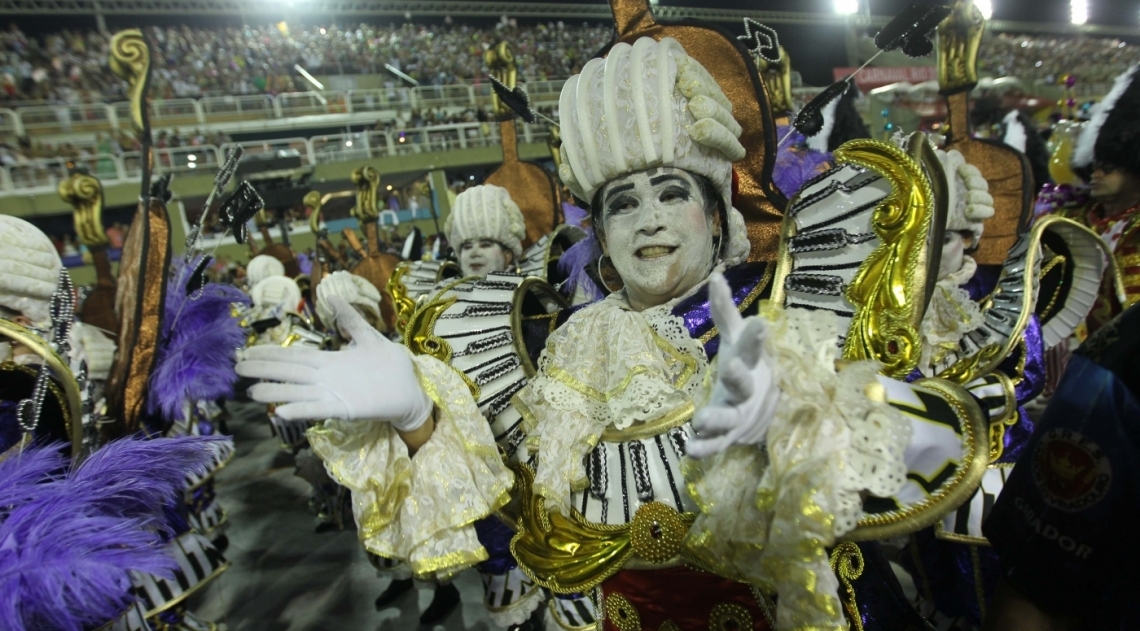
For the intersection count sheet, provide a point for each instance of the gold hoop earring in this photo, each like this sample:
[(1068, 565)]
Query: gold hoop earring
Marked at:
[(602, 276)]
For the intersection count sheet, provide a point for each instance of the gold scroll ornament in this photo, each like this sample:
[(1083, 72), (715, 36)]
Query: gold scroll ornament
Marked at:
[(1006, 169), (376, 265), (537, 192), (130, 61), (84, 194), (757, 199), (889, 290), (778, 81)]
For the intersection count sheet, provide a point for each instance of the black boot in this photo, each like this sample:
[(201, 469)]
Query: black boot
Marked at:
[(444, 602), (395, 589)]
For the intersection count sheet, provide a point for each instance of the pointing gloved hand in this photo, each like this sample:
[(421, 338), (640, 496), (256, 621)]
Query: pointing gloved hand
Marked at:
[(372, 378), (745, 396)]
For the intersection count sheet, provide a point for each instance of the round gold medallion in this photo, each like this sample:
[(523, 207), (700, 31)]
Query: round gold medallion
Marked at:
[(656, 532)]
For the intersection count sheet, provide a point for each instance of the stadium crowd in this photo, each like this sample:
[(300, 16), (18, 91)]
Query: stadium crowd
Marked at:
[(70, 66), (1092, 61)]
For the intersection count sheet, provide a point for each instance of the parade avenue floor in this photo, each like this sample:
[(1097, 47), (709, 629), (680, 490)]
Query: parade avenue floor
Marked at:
[(286, 577)]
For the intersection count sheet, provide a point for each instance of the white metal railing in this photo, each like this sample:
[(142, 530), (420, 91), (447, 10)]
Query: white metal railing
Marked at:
[(93, 117), (44, 175)]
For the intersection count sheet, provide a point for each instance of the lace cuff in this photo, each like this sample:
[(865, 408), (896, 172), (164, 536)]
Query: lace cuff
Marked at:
[(832, 439), (421, 510)]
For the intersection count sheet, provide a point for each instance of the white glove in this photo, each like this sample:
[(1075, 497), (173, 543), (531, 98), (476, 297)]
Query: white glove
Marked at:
[(745, 395), (370, 379)]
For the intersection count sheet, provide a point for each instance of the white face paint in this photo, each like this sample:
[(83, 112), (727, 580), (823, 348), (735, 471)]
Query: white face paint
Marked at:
[(953, 251), (657, 234), (479, 257)]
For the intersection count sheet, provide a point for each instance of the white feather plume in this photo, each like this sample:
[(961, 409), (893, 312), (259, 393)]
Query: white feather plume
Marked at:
[(819, 141), (1015, 134), (1083, 155)]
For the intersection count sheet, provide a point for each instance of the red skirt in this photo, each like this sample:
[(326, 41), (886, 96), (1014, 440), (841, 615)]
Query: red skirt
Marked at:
[(679, 599)]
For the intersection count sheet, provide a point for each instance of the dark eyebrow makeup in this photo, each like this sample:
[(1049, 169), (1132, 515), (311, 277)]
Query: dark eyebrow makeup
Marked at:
[(665, 178), (621, 188)]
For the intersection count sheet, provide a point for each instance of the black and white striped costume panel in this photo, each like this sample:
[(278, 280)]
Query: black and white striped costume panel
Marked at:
[(965, 524), (572, 613), (478, 328), (625, 475), (538, 257), (291, 434), (833, 236), (510, 598), (221, 453), (210, 520), (198, 562)]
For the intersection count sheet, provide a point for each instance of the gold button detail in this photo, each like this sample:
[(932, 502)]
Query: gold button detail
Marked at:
[(622, 613), (656, 532), (729, 617)]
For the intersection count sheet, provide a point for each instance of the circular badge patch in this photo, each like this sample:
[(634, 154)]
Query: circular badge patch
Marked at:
[(1070, 470)]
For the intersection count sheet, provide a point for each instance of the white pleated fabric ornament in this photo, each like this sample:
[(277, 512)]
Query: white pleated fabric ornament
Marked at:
[(644, 106), (29, 269), (276, 291), (355, 290), (261, 267), (486, 212)]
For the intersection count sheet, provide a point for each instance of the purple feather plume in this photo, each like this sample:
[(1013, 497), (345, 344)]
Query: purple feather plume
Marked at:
[(304, 263), (22, 475), (574, 215), (68, 546), (576, 260), (796, 163), (199, 339)]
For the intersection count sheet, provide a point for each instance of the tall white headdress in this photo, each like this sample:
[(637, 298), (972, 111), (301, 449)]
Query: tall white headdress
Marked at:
[(486, 212), (276, 291), (356, 290), (263, 266), (29, 269), (644, 106)]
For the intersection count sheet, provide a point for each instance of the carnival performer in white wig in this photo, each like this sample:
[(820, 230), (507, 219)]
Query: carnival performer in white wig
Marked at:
[(952, 312), (261, 267), (623, 390), (486, 229)]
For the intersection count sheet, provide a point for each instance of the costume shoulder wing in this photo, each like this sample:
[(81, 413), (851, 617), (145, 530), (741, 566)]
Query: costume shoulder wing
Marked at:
[(480, 328)]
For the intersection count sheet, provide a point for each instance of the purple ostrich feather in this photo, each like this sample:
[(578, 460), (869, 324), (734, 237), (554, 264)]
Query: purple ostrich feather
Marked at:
[(576, 260), (199, 340), (796, 163), (68, 542)]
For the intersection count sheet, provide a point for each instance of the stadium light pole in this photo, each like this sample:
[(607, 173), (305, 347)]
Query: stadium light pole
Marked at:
[(1078, 11), (986, 7)]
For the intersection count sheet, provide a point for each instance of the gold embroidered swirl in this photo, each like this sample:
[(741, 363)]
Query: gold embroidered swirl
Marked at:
[(847, 563)]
